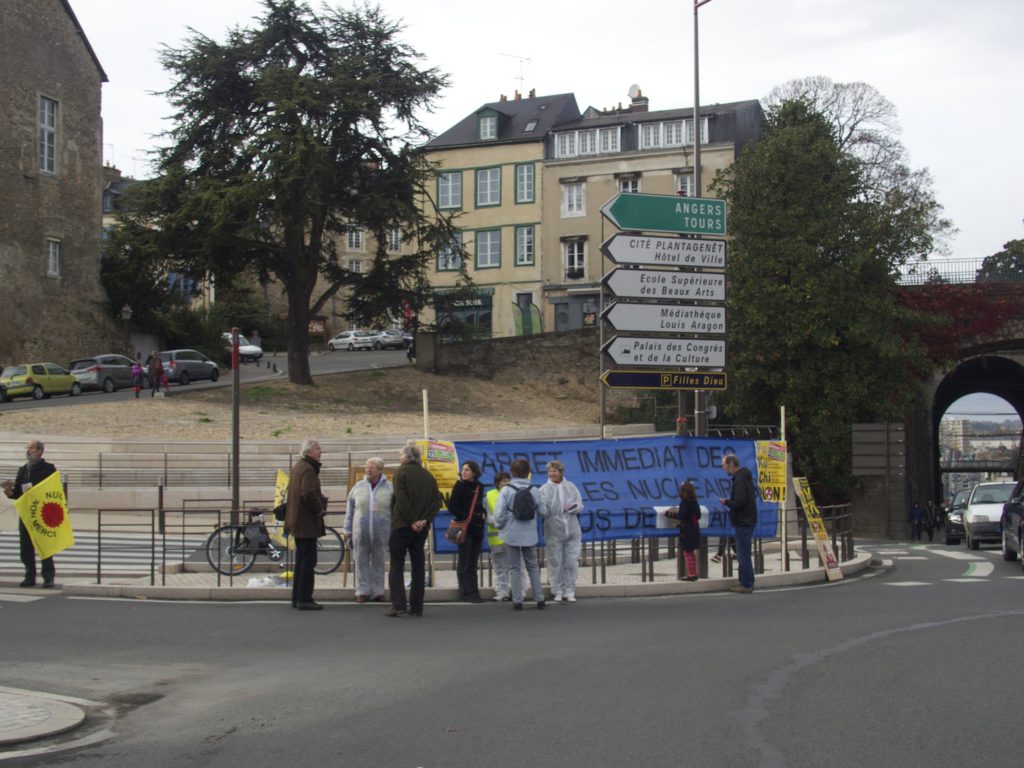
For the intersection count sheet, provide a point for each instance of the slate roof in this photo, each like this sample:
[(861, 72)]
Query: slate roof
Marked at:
[(647, 117), (548, 111)]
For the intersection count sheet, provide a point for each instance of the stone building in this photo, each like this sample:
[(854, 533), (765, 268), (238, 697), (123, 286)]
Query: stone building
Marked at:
[(51, 300)]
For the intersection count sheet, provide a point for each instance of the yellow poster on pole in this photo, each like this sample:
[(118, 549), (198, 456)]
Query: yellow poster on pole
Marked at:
[(441, 460), (817, 525), (771, 469), (44, 511), (280, 488)]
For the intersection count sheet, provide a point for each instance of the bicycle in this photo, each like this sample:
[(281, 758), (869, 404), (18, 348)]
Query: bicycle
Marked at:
[(231, 550)]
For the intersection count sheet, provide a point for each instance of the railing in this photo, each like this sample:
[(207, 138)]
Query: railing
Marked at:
[(956, 271)]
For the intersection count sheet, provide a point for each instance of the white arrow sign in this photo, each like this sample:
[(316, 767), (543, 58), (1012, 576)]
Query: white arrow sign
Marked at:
[(660, 352), (664, 284), (665, 251), (666, 318)]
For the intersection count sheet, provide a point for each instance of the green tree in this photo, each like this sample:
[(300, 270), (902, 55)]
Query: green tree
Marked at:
[(1007, 264), (813, 317), (285, 137)]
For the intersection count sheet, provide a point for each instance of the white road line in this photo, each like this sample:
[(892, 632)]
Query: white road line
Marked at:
[(968, 581), (979, 570), (909, 583), (890, 551), (955, 555), (1013, 577), (911, 557), (6, 597)]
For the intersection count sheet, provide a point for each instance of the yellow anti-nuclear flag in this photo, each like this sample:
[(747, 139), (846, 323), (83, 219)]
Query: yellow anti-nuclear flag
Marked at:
[(44, 511), (281, 488)]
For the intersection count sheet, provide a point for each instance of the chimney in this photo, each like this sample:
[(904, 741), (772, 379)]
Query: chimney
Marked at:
[(533, 92), (639, 102), (503, 97), (518, 95)]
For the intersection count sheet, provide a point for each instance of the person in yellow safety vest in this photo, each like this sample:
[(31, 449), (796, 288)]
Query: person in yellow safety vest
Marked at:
[(499, 553)]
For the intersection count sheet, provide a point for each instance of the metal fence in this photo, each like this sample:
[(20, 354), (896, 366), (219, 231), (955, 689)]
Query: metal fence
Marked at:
[(956, 271)]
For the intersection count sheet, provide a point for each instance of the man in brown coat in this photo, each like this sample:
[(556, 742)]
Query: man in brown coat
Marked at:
[(304, 522)]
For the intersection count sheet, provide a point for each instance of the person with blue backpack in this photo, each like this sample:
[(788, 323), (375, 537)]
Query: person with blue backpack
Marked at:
[(519, 505)]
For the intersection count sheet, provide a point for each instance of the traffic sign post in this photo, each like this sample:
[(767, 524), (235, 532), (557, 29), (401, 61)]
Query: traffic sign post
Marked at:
[(663, 351), (665, 284), (666, 213), (666, 318), (667, 251), (621, 378)]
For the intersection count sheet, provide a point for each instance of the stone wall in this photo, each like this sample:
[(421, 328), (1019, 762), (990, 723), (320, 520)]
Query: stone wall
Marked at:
[(42, 53)]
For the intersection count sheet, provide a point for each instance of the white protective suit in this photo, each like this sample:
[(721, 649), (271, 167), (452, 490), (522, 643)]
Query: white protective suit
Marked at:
[(562, 536), (368, 519)]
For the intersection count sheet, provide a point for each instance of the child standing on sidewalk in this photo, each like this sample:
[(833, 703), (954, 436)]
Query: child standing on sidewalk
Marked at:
[(137, 378), (688, 515)]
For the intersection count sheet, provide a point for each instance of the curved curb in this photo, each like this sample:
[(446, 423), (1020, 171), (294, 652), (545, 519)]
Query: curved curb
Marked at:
[(26, 716), (860, 562)]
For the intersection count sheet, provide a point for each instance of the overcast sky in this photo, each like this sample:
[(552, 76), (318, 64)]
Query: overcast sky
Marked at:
[(954, 70)]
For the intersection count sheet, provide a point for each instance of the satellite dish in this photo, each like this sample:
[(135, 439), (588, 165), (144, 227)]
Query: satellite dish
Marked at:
[(634, 91)]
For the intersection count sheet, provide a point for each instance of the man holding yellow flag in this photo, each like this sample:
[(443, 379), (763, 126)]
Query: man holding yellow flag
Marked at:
[(42, 512)]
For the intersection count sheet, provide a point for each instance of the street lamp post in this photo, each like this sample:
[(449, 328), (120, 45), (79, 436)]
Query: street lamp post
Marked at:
[(126, 316), (700, 397)]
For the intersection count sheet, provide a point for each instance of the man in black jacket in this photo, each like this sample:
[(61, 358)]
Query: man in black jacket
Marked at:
[(34, 471), (742, 506)]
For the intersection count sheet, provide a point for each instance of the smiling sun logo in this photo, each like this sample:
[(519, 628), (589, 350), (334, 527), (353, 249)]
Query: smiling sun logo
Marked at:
[(52, 514)]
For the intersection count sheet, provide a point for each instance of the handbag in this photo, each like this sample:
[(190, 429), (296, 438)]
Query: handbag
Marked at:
[(458, 529)]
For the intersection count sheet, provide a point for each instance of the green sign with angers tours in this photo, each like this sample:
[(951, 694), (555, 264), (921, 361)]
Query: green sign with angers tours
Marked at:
[(666, 213)]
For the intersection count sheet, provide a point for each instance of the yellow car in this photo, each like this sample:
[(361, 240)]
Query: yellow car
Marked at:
[(38, 380)]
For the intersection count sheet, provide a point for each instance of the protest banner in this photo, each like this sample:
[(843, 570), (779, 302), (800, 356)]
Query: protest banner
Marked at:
[(44, 511)]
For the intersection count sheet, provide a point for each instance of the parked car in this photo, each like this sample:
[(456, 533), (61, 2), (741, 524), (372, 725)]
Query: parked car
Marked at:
[(37, 380), (1012, 525), (351, 340), (186, 365), (984, 512), (246, 349), (387, 339), (108, 372), (954, 526)]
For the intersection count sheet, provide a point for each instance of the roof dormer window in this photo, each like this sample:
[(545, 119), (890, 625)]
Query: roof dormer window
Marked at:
[(488, 127)]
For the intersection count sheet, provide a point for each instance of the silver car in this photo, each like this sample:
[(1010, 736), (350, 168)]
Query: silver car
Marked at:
[(185, 365), (984, 513), (351, 340), (388, 339), (108, 372)]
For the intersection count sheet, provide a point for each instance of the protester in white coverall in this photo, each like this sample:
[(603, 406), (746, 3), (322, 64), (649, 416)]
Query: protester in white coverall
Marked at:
[(562, 533), (368, 528)]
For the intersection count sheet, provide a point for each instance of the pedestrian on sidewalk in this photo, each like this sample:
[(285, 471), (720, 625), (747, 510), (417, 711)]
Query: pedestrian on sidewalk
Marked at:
[(499, 553), (466, 502), (368, 527), (688, 515), (563, 537), (34, 471), (520, 534), (417, 502), (304, 522), (916, 518), (156, 372), (137, 378), (742, 506)]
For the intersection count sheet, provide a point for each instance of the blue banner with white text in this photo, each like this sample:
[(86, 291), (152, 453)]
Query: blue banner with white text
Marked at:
[(622, 481)]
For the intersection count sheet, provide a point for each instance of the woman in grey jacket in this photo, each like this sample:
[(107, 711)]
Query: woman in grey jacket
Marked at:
[(520, 536)]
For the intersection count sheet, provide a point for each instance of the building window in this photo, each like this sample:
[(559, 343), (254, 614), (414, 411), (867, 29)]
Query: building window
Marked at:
[(355, 239), (672, 133), (587, 141), (608, 138), (565, 145), (531, 126), (53, 258), (449, 259), (449, 190), (524, 245), (575, 259), (703, 131), (574, 201), (488, 249), (684, 185), (524, 183), (47, 135), (488, 187), (488, 127), (394, 239), (355, 265), (650, 135), (629, 184)]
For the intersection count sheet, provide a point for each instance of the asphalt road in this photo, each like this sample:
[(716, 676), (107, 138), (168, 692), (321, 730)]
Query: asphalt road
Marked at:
[(915, 664), (319, 363)]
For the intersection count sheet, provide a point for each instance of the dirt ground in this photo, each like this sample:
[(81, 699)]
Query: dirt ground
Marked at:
[(363, 403)]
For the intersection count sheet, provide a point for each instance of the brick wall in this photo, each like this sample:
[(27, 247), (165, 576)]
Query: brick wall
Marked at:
[(42, 53)]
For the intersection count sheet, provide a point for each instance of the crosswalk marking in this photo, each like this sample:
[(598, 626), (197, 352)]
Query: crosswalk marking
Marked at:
[(955, 554), (11, 597), (908, 583), (912, 557), (131, 553), (968, 581)]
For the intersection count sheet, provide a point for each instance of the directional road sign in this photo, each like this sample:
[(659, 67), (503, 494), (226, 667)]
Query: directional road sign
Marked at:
[(666, 318), (664, 251), (621, 378), (662, 351), (666, 284), (666, 213)]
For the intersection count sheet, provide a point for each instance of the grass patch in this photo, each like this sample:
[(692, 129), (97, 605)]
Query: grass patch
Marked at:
[(279, 432), (260, 393), (377, 374), (205, 420)]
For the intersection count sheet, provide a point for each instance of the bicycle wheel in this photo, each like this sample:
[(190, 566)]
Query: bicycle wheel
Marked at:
[(221, 554), (330, 550)]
